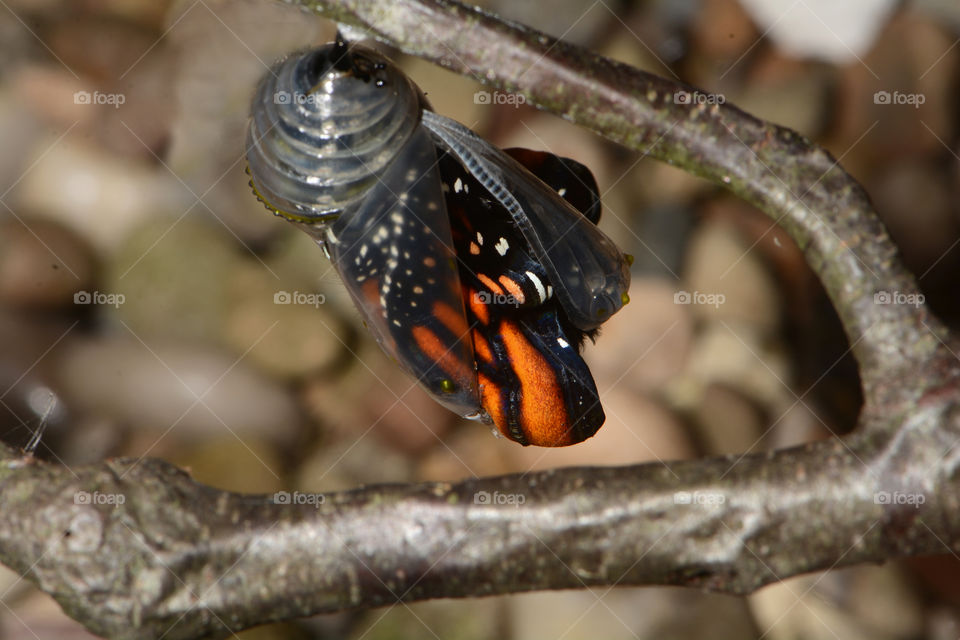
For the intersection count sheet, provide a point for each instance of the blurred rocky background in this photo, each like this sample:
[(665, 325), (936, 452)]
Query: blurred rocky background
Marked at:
[(140, 283)]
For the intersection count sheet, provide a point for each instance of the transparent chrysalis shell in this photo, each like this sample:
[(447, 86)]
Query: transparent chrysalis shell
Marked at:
[(325, 124)]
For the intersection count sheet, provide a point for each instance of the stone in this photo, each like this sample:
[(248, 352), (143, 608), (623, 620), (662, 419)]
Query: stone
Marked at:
[(42, 264), (174, 390)]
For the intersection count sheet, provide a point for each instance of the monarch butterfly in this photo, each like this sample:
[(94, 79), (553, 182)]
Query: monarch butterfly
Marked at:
[(480, 271)]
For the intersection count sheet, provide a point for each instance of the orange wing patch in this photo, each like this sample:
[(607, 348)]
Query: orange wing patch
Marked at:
[(445, 358), (451, 318), (543, 413), (478, 308), (481, 348), (490, 284), (514, 289), (490, 401)]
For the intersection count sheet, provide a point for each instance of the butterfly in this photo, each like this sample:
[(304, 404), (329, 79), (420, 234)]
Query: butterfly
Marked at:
[(481, 272)]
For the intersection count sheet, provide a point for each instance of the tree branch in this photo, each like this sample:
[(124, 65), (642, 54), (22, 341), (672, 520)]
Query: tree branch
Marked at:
[(182, 560)]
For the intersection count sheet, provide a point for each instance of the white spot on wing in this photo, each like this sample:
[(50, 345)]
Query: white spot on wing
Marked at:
[(541, 292), (502, 246), (563, 343), (458, 186)]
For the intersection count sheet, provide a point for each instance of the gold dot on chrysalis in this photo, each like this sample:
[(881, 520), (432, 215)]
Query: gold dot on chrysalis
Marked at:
[(629, 258), (447, 386), (625, 298)]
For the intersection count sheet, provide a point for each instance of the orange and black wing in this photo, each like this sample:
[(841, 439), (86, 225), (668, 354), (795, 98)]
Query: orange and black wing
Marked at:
[(533, 382)]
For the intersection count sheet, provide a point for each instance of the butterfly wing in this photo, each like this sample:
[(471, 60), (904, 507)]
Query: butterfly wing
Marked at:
[(590, 274), (533, 383), (395, 254), (571, 180)]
